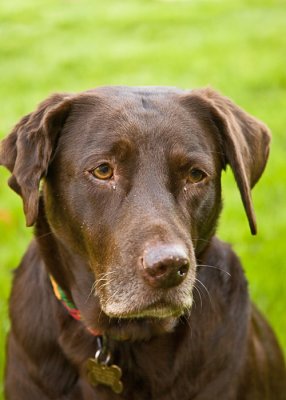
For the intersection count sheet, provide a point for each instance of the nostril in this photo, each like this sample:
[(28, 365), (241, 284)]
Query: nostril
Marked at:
[(159, 270), (183, 270), (155, 270)]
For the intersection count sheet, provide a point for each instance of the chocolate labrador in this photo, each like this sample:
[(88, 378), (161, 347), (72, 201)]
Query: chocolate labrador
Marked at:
[(125, 292)]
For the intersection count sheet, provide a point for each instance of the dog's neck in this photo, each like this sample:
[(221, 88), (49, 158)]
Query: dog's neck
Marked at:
[(50, 251)]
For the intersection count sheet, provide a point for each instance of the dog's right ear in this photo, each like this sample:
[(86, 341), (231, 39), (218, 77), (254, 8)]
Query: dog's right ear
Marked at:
[(244, 141), (27, 151)]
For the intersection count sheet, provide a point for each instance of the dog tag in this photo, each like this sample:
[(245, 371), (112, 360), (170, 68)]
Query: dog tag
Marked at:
[(102, 374)]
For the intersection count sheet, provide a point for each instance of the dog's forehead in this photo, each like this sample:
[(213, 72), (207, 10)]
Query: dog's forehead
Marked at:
[(131, 102), (147, 118)]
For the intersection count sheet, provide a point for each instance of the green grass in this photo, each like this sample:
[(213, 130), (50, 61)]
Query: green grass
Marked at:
[(235, 46)]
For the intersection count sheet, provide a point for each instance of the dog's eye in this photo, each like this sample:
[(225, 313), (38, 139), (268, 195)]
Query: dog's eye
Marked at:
[(196, 175), (103, 171)]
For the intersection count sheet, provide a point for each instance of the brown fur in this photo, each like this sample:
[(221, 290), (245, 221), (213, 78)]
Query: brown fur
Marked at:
[(201, 339)]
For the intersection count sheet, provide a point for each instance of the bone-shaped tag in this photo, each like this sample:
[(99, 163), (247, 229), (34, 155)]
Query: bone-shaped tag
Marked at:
[(101, 374)]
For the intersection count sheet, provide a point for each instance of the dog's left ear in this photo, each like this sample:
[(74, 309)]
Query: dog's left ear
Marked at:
[(27, 151), (245, 142)]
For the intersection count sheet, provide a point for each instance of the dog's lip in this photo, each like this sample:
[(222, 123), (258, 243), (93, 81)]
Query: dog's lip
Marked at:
[(159, 312), (156, 310)]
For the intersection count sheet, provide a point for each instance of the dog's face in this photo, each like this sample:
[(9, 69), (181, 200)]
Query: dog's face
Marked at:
[(132, 192), (134, 186)]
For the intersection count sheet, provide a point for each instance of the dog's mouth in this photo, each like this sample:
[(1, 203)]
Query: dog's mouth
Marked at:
[(156, 311), (140, 328), (158, 304), (152, 321), (135, 317), (134, 311)]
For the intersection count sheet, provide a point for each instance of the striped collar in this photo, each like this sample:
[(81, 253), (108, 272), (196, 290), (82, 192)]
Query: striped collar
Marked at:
[(70, 306)]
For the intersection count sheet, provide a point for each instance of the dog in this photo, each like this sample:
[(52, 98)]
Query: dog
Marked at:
[(125, 291)]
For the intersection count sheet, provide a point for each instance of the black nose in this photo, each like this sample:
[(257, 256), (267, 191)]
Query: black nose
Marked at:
[(165, 266)]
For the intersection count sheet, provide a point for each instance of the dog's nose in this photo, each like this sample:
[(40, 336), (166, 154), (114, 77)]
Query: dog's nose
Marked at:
[(165, 266)]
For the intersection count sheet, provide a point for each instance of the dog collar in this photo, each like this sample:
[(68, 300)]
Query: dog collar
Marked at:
[(97, 368), (70, 306)]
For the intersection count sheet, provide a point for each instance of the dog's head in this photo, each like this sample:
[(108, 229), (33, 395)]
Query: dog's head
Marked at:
[(131, 190)]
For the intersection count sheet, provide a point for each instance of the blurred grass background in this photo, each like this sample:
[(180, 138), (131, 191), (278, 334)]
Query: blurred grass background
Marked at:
[(238, 47)]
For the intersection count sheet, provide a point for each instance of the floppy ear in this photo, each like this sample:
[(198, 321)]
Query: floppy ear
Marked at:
[(245, 142), (27, 151)]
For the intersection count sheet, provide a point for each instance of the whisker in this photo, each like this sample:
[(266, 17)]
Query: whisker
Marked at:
[(113, 295), (44, 235), (200, 240), (108, 300), (198, 291), (214, 267), (91, 292), (186, 319), (95, 285), (104, 278), (208, 293)]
